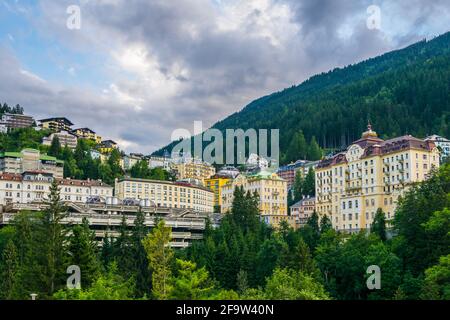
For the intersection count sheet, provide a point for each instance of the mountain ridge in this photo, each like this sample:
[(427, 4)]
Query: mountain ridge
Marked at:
[(421, 66)]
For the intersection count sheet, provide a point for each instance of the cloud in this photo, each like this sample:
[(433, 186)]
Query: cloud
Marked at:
[(168, 63)]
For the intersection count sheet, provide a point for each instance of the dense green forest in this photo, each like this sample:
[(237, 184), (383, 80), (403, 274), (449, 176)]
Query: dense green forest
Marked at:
[(402, 92), (243, 258)]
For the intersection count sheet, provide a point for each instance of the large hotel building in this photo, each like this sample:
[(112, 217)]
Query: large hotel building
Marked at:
[(372, 173), (272, 192), (166, 194), (34, 186)]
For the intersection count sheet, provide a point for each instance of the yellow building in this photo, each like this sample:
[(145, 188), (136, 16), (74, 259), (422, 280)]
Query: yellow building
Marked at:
[(193, 169), (56, 124), (107, 146), (86, 133), (272, 191), (371, 174), (275, 220), (215, 184), (166, 193)]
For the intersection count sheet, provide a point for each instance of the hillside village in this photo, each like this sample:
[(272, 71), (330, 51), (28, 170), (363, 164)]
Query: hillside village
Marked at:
[(348, 186)]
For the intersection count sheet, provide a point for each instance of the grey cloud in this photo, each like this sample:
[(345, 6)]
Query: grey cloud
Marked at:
[(226, 68)]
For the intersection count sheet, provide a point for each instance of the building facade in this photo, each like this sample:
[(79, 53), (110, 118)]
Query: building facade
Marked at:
[(30, 160), (371, 174), (86, 133), (166, 194), (288, 172), (192, 169), (302, 211), (56, 124), (271, 189), (65, 139), (130, 160), (442, 143), (34, 186), (107, 146), (16, 121), (215, 184), (159, 162)]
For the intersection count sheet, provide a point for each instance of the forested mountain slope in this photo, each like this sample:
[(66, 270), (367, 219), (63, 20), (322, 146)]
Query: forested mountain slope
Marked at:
[(405, 91)]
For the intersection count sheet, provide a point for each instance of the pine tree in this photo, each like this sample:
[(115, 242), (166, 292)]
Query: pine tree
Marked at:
[(107, 253), (325, 224), (52, 244), (122, 250), (241, 281), (8, 271), (83, 253), (309, 184), (298, 186), (160, 257), (141, 267), (314, 151), (114, 163), (191, 283), (297, 149), (378, 226), (55, 148), (304, 261)]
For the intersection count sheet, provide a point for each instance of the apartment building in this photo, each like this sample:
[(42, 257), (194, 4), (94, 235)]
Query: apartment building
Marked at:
[(218, 181), (192, 169), (30, 160), (288, 172), (79, 191), (442, 143), (34, 186), (16, 121), (271, 189), (65, 139), (275, 219), (130, 160), (107, 146), (371, 174), (88, 134), (166, 194), (159, 162), (56, 124), (302, 211), (215, 184)]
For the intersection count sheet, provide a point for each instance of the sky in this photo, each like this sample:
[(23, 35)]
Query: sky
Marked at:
[(137, 70)]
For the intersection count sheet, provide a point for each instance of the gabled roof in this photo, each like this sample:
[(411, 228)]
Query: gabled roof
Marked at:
[(10, 177), (108, 142), (300, 203)]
